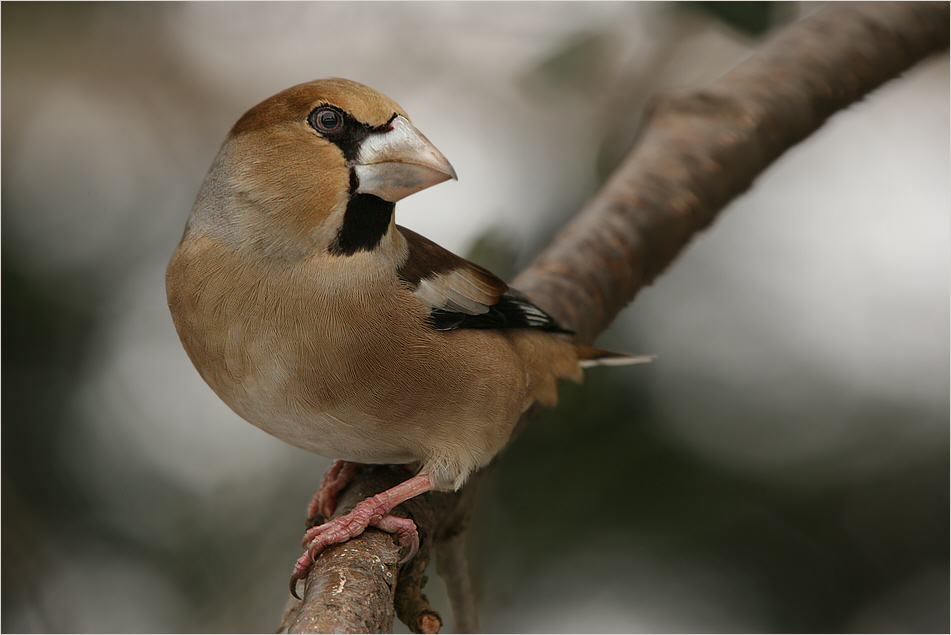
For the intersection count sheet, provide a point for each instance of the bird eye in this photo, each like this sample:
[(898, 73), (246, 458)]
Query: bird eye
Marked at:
[(326, 120)]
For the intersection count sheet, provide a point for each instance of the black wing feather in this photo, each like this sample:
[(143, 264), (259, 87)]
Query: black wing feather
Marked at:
[(513, 310), (462, 295)]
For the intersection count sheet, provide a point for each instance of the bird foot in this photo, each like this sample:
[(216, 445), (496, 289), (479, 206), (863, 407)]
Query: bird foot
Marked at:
[(338, 476), (371, 512)]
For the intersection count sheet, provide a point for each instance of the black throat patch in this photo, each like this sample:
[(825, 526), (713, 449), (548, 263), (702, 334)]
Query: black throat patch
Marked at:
[(365, 223)]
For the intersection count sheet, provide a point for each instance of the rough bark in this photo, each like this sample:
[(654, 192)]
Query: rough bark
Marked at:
[(354, 587), (697, 151)]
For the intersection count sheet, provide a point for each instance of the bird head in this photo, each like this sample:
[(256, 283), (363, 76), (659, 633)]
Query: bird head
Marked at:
[(319, 165)]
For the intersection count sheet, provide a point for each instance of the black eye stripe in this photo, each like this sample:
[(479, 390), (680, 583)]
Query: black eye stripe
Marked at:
[(348, 133)]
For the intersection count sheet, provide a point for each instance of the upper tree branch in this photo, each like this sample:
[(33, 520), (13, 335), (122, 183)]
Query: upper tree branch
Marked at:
[(699, 150), (696, 152)]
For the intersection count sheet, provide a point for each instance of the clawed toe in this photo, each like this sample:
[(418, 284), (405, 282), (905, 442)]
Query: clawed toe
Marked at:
[(342, 529), (405, 531), (301, 568), (373, 511), (338, 476)]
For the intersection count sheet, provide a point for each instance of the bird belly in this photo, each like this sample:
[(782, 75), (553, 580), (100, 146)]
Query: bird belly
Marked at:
[(328, 435), (380, 399), (311, 402), (360, 377)]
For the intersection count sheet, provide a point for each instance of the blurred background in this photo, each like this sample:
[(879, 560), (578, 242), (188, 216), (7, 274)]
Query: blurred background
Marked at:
[(783, 466)]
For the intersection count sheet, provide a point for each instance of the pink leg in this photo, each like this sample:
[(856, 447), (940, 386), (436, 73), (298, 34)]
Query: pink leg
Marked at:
[(373, 511), (325, 498)]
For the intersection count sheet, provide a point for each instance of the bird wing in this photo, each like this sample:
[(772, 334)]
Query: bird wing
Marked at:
[(463, 295)]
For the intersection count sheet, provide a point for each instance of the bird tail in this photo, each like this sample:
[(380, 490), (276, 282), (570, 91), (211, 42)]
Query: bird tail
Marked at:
[(589, 356)]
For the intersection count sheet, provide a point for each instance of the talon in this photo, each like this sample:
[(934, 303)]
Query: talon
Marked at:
[(371, 511), (409, 556), (405, 531), (301, 568), (413, 550)]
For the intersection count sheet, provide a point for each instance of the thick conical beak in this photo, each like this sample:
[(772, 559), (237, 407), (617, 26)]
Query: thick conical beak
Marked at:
[(399, 162)]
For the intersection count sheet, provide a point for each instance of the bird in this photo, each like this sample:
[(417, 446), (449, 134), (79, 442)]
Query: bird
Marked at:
[(318, 319)]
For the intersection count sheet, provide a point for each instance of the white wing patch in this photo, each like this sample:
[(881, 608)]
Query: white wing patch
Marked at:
[(455, 291), (460, 294)]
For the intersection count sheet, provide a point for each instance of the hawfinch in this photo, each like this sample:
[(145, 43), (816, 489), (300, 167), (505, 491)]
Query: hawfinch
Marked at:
[(319, 320)]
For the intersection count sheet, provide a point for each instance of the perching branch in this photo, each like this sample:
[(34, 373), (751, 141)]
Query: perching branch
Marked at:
[(353, 587), (697, 151)]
